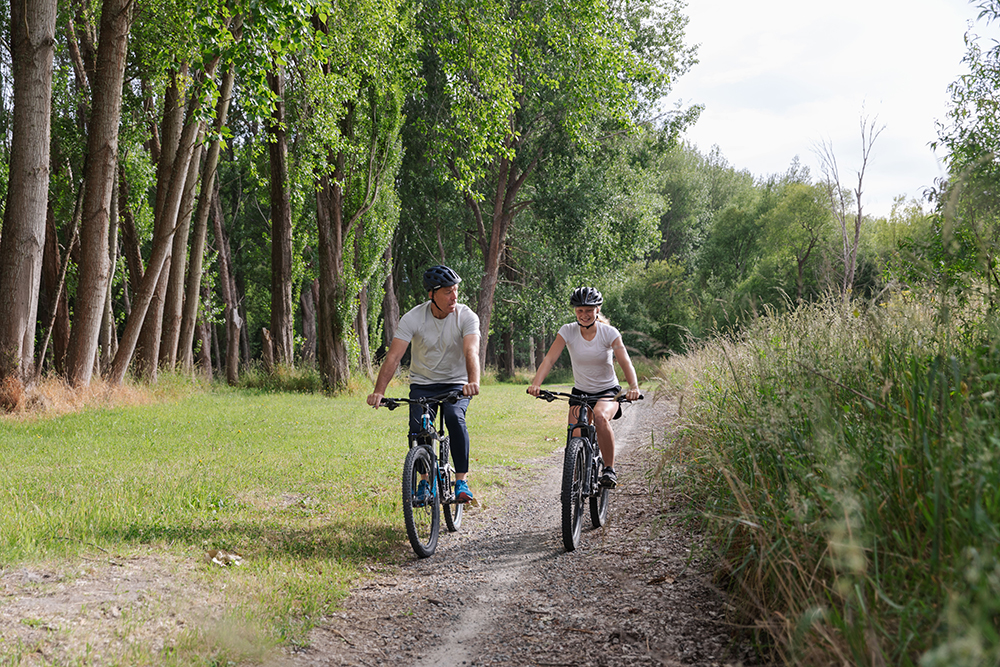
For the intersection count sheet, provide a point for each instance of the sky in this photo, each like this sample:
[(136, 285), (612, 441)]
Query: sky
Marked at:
[(779, 78)]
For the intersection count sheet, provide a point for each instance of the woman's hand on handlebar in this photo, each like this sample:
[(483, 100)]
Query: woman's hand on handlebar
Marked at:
[(632, 394), (533, 390)]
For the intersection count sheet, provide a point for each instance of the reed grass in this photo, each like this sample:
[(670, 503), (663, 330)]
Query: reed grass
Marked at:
[(846, 462)]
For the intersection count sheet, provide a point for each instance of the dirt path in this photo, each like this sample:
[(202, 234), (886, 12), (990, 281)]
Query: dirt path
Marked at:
[(503, 591)]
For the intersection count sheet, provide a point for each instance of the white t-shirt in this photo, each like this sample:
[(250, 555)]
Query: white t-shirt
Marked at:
[(593, 361), (437, 353)]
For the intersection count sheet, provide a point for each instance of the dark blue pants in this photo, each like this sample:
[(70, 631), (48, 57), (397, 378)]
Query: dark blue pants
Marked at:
[(454, 419)]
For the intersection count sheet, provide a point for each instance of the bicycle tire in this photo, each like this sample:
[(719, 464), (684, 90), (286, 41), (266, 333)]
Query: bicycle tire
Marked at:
[(599, 507), (572, 494), (453, 516), (423, 519), (599, 502)]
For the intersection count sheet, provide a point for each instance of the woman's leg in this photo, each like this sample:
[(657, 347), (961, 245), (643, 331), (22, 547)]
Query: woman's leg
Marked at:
[(604, 412)]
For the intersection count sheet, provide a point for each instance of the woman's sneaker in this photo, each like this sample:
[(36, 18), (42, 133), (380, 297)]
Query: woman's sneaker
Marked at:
[(609, 479), (462, 492)]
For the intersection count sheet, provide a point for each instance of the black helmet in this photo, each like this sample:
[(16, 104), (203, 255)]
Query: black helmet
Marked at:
[(440, 276), (585, 296)]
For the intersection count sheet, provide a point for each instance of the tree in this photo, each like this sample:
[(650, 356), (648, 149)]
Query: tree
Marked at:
[(102, 165), (23, 236), (797, 226), (846, 204), (512, 81)]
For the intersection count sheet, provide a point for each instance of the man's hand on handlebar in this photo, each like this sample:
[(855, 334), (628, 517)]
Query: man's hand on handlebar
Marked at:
[(471, 389), (375, 399)]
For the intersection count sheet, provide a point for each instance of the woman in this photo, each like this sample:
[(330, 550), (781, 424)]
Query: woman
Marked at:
[(592, 341)]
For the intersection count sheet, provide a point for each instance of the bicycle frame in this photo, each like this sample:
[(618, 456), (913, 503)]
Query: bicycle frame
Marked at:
[(429, 435)]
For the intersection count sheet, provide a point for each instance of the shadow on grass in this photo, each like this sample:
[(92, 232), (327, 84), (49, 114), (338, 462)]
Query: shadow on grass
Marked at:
[(343, 541)]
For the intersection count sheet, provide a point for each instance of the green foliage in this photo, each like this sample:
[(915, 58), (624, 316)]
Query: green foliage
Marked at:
[(653, 309)]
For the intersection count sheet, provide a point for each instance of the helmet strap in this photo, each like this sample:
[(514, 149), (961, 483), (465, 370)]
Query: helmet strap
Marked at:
[(434, 304), (587, 326)]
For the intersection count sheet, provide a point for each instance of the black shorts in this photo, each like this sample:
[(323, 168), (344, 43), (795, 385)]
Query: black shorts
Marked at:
[(611, 391)]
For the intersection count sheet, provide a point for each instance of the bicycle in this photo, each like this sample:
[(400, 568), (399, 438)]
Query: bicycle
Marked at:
[(582, 465), (421, 513)]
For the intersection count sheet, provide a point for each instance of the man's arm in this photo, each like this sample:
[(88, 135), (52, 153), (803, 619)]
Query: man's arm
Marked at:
[(470, 347), (396, 351)]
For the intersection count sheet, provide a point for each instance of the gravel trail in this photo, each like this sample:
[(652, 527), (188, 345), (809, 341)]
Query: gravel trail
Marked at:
[(503, 591)]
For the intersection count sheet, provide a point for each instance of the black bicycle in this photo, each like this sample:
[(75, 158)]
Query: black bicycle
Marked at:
[(427, 476), (582, 466)]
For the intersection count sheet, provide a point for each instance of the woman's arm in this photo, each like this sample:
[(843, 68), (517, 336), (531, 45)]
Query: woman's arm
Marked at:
[(621, 354), (543, 369)]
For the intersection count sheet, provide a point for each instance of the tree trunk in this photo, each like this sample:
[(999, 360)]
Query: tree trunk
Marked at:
[(226, 286), (130, 238), (201, 228), (22, 243), (307, 301), (148, 344), (102, 163), (505, 208), (56, 310), (361, 317), (507, 339), (162, 244), (109, 340), (281, 227), (173, 300), (390, 303), (331, 353)]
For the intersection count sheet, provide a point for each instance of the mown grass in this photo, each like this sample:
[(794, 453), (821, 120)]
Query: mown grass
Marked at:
[(304, 487), (846, 462)]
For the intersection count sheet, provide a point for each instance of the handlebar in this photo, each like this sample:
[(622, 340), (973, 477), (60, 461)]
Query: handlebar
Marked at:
[(579, 399), (450, 397)]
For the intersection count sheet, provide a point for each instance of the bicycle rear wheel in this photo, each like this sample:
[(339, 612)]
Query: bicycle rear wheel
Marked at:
[(422, 516), (453, 516), (599, 507), (572, 493)]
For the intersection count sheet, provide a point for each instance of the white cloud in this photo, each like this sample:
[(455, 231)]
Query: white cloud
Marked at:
[(779, 77)]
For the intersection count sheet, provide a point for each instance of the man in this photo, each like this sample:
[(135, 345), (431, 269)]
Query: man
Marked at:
[(445, 357)]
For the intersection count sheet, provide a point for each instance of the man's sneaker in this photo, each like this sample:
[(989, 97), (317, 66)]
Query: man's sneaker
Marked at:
[(423, 493), (462, 492), (609, 479)]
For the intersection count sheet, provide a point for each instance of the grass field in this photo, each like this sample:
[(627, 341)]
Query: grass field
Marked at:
[(305, 488)]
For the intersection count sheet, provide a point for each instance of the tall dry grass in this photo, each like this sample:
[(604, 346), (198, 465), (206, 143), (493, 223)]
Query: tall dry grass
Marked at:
[(845, 461)]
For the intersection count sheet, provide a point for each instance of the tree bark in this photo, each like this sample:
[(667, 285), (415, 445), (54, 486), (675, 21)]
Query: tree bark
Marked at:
[(390, 303), (22, 242), (173, 300), (162, 245), (493, 243), (102, 162), (233, 320), (168, 186), (281, 226), (196, 261), (307, 301)]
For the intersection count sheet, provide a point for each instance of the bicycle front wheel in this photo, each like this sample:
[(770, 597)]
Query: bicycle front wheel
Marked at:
[(421, 511), (572, 493)]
